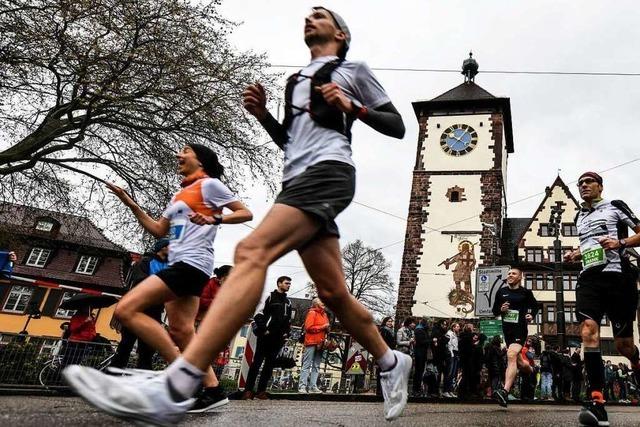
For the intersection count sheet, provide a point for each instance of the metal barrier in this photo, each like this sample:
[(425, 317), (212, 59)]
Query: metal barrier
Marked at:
[(38, 361), (31, 361)]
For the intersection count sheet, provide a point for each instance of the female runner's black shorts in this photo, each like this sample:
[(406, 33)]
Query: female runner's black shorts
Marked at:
[(184, 279)]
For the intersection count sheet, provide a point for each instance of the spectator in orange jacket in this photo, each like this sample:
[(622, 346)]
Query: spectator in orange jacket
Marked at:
[(211, 289), (316, 327)]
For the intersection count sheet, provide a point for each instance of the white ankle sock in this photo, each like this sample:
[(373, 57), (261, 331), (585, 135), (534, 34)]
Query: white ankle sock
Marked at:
[(387, 361), (183, 379)]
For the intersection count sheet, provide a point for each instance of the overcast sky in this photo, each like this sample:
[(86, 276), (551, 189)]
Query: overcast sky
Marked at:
[(572, 123)]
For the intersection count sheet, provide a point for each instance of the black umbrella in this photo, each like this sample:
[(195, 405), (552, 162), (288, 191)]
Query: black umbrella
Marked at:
[(79, 301)]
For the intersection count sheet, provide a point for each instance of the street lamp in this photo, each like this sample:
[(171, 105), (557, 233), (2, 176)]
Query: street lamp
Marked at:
[(554, 225)]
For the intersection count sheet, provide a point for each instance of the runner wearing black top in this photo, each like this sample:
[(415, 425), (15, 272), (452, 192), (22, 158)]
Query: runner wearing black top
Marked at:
[(607, 285), (516, 306)]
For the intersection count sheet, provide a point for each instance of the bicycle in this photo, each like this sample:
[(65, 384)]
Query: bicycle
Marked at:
[(87, 354)]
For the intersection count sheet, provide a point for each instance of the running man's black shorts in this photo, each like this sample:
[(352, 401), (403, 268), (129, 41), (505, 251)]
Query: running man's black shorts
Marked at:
[(515, 334), (323, 190), (611, 293), (184, 279)]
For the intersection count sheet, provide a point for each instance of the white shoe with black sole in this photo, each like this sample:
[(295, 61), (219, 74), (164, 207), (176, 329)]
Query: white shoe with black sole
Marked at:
[(129, 398)]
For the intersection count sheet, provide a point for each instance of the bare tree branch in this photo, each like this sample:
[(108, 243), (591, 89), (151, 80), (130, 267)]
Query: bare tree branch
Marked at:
[(111, 89), (367, 276)]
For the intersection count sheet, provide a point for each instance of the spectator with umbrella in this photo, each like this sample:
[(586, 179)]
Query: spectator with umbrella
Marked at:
[(82, 327)]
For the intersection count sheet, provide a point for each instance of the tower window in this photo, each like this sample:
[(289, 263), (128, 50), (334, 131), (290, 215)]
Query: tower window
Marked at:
[(456, 194)]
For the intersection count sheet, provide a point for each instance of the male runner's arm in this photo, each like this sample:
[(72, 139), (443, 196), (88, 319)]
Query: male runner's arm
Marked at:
[(498, 305), (532, 305), (630, 242), (384, 118), (158, 228), (255, 102)]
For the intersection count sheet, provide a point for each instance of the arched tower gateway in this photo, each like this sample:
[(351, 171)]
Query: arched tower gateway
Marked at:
[(457, 198)]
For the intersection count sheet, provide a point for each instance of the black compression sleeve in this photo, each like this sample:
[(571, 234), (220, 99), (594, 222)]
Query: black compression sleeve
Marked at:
[(386, 120), (533, 304), (497, 303), (276, 131)]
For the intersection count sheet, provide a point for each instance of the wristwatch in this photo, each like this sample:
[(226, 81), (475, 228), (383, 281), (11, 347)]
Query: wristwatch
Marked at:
[(359, 110), (623, 243), (217, 219)]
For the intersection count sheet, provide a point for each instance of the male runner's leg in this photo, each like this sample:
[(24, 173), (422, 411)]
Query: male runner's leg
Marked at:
[(513, 352), (284, 228), (323, 261)]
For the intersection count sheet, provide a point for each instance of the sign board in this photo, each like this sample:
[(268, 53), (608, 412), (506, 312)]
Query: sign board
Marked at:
[(356, 360), (491, 328), (488, 281)]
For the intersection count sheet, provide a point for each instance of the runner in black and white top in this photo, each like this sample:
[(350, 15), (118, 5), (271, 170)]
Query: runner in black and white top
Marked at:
[(321, 104), (607, 285), (517, 307)]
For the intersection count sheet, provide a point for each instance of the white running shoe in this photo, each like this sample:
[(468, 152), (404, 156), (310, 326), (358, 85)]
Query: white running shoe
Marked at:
[(394, 384), (315, 390), (132, 397), (302, 390)]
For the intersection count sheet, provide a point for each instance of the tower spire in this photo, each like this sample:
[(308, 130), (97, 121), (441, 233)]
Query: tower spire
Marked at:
[(469, 68)]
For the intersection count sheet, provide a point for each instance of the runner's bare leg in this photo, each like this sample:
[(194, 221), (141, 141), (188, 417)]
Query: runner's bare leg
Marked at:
[(130, 311), (181, 313), (512, 365), (282, 230), (323, 260)]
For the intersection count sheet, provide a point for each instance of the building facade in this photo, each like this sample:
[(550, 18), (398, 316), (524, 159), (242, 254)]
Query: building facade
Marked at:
[(60, 248)]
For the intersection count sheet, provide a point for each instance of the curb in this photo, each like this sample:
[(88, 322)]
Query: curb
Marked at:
[(324, 397)]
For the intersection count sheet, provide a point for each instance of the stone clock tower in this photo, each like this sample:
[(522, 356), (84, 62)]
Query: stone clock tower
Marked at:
[(457, 198)]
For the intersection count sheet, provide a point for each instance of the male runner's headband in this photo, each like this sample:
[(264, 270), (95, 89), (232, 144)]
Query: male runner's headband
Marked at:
[(342, 26), (593, 175)]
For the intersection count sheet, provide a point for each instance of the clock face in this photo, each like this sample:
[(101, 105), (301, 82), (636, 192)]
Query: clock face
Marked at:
[(458, 140)]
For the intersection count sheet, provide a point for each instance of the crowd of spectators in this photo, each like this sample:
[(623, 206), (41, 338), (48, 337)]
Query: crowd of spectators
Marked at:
[(455, 360)]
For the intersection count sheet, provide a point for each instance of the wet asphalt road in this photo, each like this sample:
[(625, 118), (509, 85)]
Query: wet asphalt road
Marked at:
[(45, 411)]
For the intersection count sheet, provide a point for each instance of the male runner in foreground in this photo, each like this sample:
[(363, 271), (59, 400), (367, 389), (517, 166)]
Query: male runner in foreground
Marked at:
[(607, 285), (517, 307), (323, 100)]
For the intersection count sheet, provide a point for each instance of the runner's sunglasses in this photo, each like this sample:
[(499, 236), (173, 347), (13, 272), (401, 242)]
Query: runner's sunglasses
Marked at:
[(586, 181)]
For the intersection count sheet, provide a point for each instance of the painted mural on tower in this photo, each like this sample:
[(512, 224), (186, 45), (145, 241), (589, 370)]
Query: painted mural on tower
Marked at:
[(461, 296)]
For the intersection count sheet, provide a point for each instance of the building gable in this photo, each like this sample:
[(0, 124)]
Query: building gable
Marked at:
[(534, 236)]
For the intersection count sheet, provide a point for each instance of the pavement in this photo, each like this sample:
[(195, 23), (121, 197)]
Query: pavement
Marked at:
[(40, 411)]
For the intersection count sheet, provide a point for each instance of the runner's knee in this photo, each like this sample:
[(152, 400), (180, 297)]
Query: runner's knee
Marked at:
[(333, 297), (124, 312), (512, 355), (251, 250), (181, 333), (589, 333)]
